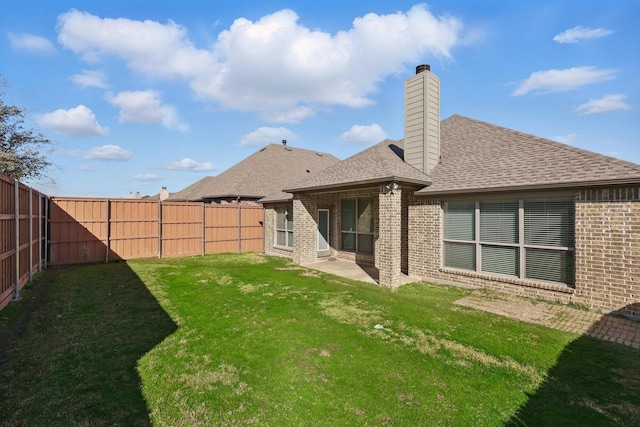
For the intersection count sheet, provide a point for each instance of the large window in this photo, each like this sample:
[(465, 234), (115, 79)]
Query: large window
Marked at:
[(284, 226), (524, 238), (356, 225)]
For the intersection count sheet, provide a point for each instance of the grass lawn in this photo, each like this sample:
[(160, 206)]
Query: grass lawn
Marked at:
[(251, 340)]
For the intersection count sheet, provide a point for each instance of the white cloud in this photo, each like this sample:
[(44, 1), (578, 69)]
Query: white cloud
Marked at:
[(294, 115), (147, 177), (267, 135), (565, 139), (606, 103), (579, 33), (84, 168), (79, 121), (563, 80), (90, 78), (274, 65), (146, 107), (189, 164), (30, 43), (107, 152), (364, 134)]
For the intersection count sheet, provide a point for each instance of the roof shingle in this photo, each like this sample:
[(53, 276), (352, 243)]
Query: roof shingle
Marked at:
[(381, 162), (481, 157), (264, 172)]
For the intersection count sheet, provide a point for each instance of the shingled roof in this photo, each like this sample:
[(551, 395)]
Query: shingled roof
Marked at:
[(264, 172), (379, 163), (480, 157)]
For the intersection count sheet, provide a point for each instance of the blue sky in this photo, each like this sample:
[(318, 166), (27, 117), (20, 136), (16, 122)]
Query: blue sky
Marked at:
[(137, 95)]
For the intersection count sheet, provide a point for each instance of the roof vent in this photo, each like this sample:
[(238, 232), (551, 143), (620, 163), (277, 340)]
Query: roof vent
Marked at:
[(423, 67), (284, 142)]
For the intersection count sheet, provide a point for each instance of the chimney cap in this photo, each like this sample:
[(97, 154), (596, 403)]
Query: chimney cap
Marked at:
[(423, 67)]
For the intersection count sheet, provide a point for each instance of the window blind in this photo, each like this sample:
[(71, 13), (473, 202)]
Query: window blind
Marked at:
[(499, 222), (549, 222), (459, 220), (556, 266), (460, 255), (500, 259)]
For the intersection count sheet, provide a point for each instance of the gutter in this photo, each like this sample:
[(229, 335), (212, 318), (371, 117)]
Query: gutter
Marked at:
[(549, 186), (361, 183)]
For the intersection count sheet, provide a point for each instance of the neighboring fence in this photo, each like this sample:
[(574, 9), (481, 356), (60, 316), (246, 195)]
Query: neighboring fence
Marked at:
[(23, 213), (102, 230), (85, 230)]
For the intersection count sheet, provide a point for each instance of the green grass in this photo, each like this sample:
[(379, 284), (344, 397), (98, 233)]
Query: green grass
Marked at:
[(251, 340)]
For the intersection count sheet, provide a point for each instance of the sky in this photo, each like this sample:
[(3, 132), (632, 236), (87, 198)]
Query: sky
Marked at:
[(139, 95)]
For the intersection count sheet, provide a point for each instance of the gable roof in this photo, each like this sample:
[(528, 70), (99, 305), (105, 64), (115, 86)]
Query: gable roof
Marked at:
[(379, 163), (265, 172), (480, 157)]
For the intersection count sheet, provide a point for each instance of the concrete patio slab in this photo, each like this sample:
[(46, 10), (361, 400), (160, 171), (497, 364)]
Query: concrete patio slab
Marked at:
[(352, 270)]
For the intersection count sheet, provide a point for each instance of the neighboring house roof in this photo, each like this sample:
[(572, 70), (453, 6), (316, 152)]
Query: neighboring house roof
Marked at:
[(480, 157), (379, 163), (264, 172)]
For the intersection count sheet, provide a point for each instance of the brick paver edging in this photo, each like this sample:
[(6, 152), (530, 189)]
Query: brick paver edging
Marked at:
[(606, 327)]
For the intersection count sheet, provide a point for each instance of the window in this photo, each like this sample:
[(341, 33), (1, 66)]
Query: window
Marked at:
[(524, 238), (284, 226), (356, 225)]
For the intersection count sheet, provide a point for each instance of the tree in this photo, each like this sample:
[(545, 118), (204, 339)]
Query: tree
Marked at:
[(20, 148)]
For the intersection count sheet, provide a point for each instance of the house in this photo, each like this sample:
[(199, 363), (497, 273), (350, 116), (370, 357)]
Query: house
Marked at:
[(464, 201), (264, 172)]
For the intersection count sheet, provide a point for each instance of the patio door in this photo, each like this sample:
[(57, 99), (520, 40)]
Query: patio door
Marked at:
[(323, 233)]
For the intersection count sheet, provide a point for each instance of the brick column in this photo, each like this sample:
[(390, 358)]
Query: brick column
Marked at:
[(388, 249), (305, 229)]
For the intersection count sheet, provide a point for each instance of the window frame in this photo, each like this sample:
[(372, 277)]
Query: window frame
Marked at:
[(357, 233), (521, 246), (288, 226)]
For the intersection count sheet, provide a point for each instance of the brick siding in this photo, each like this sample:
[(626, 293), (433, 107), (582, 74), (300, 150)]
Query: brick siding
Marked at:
[(607, 253), (608, 249), (270, 247)]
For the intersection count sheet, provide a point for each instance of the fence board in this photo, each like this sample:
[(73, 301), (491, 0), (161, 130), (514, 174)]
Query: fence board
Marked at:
[(21, 236), (86, 230), (78, 231), (36, 231)]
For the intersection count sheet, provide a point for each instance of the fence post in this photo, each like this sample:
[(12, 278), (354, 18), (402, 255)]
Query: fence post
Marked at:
[(39, 231), (204, 232), (16, 216), (239, 228), (30, 234), (159, 228), (108, 231), (47, 203)]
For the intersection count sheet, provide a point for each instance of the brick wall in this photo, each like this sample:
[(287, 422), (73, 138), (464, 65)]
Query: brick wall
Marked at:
[(424, 235), (608, 249), (607, 253), (304, 229), (270, 247)]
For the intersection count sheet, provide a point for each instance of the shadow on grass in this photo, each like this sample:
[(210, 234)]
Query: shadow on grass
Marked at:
[(593, 383), (74, 359)]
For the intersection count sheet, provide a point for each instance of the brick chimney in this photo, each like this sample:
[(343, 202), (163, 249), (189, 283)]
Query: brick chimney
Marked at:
[(422, 119)]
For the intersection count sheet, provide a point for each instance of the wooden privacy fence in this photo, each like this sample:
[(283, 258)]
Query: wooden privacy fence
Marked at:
[(23, 213), (86, 230)]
